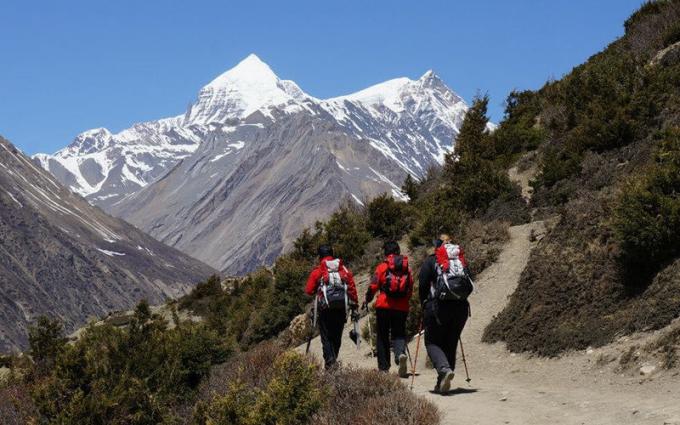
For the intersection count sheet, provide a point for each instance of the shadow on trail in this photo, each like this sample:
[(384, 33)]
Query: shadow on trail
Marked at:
[(457, 391)]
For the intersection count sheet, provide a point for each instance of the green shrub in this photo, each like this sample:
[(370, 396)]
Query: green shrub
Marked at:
[(387, 218), (519, 131), (647, 214), (290, 394), (671, 35), (201, 294), (130, 375), (346, 231), (649, 7), (557, 165), (410, 188), (233, 408), (46, 340), (294, 393), (306, 245)]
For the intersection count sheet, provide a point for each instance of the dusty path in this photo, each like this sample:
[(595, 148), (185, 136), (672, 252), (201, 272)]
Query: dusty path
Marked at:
[(517, 389)]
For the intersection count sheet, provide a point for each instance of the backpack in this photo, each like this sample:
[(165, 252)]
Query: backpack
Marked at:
[(452, 283), (396, 283), (333, 285)]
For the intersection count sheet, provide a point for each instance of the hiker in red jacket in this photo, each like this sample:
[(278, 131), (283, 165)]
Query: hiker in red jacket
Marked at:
[(393, 281), (335, 293)]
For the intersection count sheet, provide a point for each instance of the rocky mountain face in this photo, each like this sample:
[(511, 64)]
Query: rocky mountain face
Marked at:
[(255, 159), (64, 258)]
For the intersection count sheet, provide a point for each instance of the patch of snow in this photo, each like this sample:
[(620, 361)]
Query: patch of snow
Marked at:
[(110, 253), (14, 199), (220, 156), (343, 168), (387, 94)]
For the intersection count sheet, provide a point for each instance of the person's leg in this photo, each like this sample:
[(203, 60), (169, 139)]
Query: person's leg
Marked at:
[(457, 320), (383, 338), (329, 356), (398, 332), (435, 343), (339, 319), (434, 340)]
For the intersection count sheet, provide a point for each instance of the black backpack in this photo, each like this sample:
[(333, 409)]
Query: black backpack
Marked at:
[(448, 287)]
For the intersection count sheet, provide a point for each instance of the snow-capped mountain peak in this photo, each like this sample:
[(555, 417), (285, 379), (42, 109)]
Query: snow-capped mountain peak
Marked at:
[(233, 139), (249, 86), (251, 74), (386, 94)]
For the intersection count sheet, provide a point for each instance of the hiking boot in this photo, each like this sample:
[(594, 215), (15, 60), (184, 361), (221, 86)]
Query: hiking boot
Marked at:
[(444, 380), (403, 370)]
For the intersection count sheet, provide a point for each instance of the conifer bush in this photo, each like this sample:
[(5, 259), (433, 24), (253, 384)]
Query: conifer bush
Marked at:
[(387, 218), (128, 376), (647, 214)]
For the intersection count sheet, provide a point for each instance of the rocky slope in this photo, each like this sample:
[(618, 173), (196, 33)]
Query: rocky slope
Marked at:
[(255, 159), (64, 258)]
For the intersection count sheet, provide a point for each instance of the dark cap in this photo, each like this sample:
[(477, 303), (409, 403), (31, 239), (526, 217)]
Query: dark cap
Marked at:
[(391, 247), (325, 251)]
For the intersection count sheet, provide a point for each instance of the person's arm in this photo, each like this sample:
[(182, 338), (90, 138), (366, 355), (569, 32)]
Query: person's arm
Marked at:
[(312, 282), (425, 279), (351, 287), (373, 286)]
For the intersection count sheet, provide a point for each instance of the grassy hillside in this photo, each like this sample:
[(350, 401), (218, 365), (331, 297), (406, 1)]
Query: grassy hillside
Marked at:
[(610, 170)]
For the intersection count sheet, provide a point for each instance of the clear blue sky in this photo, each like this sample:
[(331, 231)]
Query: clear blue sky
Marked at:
[(67, 66)]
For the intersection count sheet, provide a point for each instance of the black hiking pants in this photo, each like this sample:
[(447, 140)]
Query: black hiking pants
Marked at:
[(390, 323), (443, 322), (331, 324)]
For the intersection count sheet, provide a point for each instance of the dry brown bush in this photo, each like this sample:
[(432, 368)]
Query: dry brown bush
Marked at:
[(483, 242), (253, 368), (16, 406), (370, 397)]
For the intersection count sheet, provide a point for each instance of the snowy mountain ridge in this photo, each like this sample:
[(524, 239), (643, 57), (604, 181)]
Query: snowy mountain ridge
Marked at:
[(255, 159), (105, 167)]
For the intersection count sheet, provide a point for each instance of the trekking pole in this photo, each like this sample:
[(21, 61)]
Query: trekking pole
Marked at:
[(462, 352), (311, 331), (415, 360)]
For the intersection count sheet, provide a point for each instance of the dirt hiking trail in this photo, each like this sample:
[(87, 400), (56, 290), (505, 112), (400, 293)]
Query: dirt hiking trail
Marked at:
[(510, 388)]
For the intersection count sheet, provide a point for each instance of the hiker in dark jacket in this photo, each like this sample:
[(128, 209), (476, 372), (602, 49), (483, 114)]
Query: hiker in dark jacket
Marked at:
[(443, 320), (333, 286), (394, 282)]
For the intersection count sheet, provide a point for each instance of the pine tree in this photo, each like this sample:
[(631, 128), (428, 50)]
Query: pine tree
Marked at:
[(472, 143), (410, 187), (474, 179)]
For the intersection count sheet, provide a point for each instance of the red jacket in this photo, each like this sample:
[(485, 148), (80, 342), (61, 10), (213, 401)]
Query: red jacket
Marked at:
[(382, 300), (315, 278)]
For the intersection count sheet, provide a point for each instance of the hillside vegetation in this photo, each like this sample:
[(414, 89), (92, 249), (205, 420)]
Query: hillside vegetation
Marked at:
[(609, 168)]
